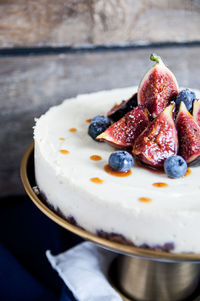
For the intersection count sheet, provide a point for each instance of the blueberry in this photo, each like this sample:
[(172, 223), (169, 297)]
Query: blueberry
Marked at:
[(101, 119), (121, 161), (98, 125), (187, 96), (175, 167)]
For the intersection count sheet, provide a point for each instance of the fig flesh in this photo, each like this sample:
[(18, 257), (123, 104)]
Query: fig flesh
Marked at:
[(196, 111), (189, 136), (158, 141), (157, 88), (118, 111), (123, 133)]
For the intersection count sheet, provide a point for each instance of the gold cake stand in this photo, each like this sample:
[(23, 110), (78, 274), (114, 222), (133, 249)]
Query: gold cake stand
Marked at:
[(137, 274)]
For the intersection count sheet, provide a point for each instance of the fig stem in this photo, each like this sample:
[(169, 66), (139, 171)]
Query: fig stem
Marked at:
[(154, 57)]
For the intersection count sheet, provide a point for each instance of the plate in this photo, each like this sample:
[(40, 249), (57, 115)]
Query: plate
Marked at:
[(28, 179)]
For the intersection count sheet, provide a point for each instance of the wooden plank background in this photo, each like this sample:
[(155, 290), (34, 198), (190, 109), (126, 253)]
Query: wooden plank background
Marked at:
[(28, 23)]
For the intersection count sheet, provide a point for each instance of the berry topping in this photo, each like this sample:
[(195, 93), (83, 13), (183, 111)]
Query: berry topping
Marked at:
[(118, 111), (121, 161), (158, 141), (187, 96), (175, 167), (196, 111), (101, 119), (145, 124), (189, 136), (123, 133), (157, 88), (98, 125)]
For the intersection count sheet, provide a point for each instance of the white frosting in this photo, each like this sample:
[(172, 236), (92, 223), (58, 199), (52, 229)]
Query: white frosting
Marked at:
[(173, 215)]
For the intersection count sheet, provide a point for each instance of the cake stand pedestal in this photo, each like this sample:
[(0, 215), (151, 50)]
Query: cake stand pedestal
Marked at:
[(150, 280), (136, 273)]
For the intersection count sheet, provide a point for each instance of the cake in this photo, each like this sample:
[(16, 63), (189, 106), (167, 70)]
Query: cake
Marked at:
[(132, 209), (143, 207)]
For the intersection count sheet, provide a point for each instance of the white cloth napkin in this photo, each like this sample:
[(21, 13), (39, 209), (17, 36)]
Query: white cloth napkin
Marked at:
[(84, 270)]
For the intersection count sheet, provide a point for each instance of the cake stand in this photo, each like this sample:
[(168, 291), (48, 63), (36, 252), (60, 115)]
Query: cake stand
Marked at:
[(136, 273)]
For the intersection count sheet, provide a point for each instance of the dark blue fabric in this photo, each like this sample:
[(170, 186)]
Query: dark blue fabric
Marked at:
[(26, 233)]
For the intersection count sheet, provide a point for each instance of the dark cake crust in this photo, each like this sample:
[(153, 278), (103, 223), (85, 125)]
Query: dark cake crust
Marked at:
[(167, 247), (112, 236)]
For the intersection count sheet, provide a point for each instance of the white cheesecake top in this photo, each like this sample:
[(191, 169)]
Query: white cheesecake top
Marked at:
[(53, 133)]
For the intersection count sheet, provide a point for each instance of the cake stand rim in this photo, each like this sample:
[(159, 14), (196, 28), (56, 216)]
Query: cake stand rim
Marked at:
[(105, 243)]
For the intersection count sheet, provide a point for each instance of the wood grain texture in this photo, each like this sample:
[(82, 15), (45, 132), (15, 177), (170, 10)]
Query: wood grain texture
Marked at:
[(94, 22), (30, 85)]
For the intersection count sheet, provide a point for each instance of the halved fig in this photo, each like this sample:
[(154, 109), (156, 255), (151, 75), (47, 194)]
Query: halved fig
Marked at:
[(196, 111), (189, 136), (123, 133), (118, 111), (158, 141), (157, 88)]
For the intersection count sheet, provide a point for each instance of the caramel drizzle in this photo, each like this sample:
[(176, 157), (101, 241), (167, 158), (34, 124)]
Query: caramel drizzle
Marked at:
[(97, 180), (160, 185), (112, 172), (188, 172), (145, 200), (64, 151), (73, 130), (95, 158), (88, 120)]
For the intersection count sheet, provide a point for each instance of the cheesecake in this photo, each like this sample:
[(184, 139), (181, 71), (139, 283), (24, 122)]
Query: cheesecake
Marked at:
[(143, 207)]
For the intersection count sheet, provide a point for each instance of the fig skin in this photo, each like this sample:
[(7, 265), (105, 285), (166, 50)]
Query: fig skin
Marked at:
[(158, 141), (189, 136), (118, 111), (196, 111), (157, 88), (196, 162), (123, 133)]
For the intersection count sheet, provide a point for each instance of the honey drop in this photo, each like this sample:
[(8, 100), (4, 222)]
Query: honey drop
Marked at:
[(188, 172), (96, 180), (73, 130), (112, 172), (160, 185), (88, 120), (145, 200), (95, 158), (64, 151)]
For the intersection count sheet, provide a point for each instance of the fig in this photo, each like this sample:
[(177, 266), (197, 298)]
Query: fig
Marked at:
[(189, 136), (157, 88), (123, 133), (158, 141), (118, 111), (196, 111)]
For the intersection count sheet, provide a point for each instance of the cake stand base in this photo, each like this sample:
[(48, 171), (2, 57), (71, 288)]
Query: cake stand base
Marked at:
[(141, 279)]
